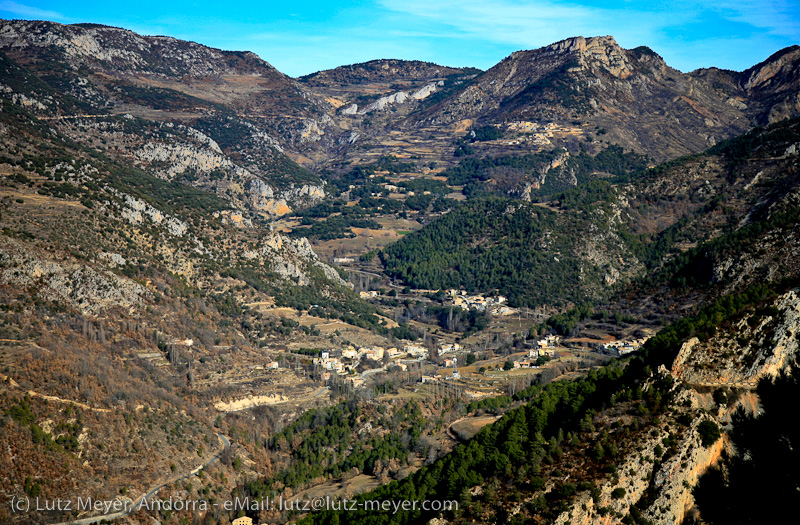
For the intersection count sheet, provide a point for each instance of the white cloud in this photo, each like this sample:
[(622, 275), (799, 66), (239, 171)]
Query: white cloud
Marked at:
[(779, 17), (30, 12), (530, 24)]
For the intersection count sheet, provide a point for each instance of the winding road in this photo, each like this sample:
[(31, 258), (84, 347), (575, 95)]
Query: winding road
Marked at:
[(226, 443)]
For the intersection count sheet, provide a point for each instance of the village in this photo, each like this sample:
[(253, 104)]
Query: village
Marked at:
[(329, 354), (621, 348), (494, 305)]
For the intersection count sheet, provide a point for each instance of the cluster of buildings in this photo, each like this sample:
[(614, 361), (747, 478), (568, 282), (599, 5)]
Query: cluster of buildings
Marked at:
[(544, 350), (326, 362), (523, 126), (545, 131), (545, 347), (349, 357), (345, 361), (620, 348), (549, 341), (449, 348), (496, 305), (539, 134), (416, 351), (493, 305)]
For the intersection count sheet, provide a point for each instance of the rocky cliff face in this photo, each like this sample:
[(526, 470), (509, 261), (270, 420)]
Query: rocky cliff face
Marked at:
[(758, 346), (773, 85), (676, 477), (671, 481), (397, 98), (293, 259), (92, 290)]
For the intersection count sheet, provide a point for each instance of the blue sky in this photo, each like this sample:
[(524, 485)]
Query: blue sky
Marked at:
[(313, 35)]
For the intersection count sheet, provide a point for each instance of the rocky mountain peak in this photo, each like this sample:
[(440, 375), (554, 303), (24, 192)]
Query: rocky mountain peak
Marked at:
[(579, 44), (592, 55), (606, 52), (602, 50), (783, 64)]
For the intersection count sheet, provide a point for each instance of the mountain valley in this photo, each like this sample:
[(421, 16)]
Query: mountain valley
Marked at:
[(554, 291)]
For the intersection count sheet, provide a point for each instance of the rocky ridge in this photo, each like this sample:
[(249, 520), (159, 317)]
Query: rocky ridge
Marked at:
[(629, 93), (756, 348), (630, 97), (127, 52)]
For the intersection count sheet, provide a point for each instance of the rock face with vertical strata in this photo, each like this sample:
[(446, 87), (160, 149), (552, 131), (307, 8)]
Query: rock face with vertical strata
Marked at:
[(757, 347), (294, 258), (672, 482)]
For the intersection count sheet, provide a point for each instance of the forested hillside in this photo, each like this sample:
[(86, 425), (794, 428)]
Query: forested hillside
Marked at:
[(530, 253), (675, 221)]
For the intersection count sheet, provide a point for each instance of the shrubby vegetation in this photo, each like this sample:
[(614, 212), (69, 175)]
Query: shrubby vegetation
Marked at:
[(759, 142), (331, 302), (335, 219), (434, 186), (693, 267), (161, 98), (483, 133), (457, 319), (564, 323), (403, 331), (722, 312), (552, 88), (325, 442), (479, 134), (336, 227), (233, 134), (507, 175), (452, 84), (360, 176), (473, 173)]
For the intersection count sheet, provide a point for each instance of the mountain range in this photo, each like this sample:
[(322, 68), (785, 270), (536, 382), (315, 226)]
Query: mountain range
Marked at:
[(587, 89)]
